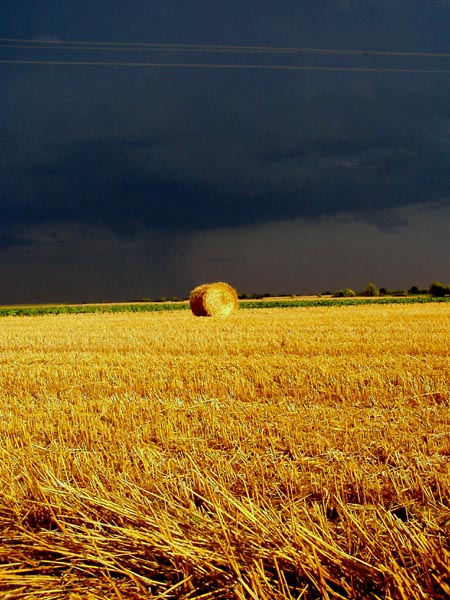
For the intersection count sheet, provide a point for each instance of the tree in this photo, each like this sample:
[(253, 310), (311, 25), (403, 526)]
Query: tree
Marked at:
[(345, 293), (439, 289), (371, 290)]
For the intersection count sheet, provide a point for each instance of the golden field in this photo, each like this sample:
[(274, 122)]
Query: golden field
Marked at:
[(276, 454)]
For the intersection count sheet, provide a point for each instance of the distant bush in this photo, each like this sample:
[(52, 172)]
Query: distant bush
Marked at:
[(371, 290), (415, 291), (439, 289), (251, 296), (345, 293)]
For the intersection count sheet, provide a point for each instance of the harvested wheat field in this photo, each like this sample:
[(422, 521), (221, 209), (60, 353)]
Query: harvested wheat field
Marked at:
[(276, 454)]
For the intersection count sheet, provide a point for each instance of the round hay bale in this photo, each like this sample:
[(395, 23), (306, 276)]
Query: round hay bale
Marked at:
[(213, 300)]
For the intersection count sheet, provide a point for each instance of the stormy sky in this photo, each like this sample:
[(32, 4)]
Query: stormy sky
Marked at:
[(277, 171)]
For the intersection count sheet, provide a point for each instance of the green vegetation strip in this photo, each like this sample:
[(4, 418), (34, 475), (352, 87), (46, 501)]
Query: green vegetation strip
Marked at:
[(156, 307), (30, 311), (342, 302)]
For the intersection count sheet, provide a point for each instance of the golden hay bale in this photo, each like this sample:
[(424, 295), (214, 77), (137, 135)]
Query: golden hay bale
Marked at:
[(213, 300)]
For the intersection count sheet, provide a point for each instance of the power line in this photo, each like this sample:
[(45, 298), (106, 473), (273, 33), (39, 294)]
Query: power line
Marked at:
[(159, 48), (223, 66), (212, 48), (70, 45)]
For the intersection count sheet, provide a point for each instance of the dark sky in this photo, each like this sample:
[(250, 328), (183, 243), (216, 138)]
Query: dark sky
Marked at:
[(122, 182)]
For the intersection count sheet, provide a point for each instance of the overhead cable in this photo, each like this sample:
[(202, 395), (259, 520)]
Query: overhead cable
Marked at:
[(223, 66), (209, 48)]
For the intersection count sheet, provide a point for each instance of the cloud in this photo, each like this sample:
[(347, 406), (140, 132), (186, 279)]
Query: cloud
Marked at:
[(46, 38), (8, 241), (199, 151), (122, 185), (387, 221), (70, 262)]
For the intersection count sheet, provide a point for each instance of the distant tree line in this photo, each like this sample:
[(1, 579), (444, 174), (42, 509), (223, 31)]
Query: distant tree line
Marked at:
[(436, 289), (251, 296), (161, 299)]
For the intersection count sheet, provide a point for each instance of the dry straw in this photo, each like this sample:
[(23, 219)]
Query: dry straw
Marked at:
[(213, 300)]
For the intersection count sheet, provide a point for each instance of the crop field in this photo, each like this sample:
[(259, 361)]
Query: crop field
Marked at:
[(281, 453), (285, 302)]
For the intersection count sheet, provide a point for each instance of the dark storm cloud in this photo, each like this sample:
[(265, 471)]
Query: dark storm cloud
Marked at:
[(120, 183), (361, 178), (8, 241), (110, 157), (186, 151), (192, 151)]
